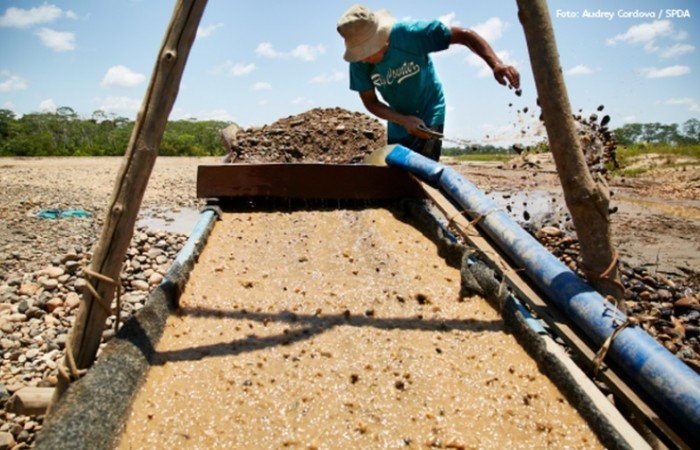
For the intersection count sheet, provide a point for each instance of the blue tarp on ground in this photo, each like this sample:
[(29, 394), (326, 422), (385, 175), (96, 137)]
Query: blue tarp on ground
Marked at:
[(62, 213)]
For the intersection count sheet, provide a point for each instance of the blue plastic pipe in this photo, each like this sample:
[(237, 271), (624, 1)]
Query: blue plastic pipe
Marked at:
[(665, 378)]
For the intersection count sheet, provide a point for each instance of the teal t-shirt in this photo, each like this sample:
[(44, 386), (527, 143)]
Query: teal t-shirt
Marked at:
[(405, 77)]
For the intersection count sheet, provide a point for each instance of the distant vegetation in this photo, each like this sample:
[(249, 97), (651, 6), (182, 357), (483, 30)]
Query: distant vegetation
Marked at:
[(64, 133), (658, 133)]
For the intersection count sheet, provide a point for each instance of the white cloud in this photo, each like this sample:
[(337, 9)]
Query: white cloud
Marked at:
[(301, 101), (325, 78), (242, 69), (692, 104), (11, 82), (208, 30), (449, 20), (676, 50), (265, 49), (59, 41), (233, 70), (47, 105), (671, 71), (648, 34), (629, 119), (121, 76), (8, 105), (484, 70), (71, 15), (260, 86), (581, 69), (120, 105), (308, 52), (303, 52), (263, 103), (25, 18), (490, 30)]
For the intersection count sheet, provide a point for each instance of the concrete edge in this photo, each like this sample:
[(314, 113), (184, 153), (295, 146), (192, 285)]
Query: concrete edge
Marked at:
[(93, 410)]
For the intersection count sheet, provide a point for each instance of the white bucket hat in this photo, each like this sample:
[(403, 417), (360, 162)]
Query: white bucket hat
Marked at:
[(365, 32)]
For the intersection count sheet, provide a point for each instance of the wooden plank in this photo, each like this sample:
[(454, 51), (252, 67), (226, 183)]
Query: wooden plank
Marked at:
[(556, 321), (306, 181)]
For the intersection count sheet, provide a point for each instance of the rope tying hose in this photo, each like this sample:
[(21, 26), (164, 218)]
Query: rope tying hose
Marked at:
[(606, 273), (72, 372), (603, 351), (472, 222)]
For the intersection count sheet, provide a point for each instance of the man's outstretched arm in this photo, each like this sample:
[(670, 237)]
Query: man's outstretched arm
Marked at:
[(478, 45)]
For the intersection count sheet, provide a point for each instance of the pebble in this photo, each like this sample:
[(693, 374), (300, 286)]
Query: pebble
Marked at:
[(28, 289), (54, 272), (7, 441), (54, 303), (140, 285), (49, 283), (72, 300)]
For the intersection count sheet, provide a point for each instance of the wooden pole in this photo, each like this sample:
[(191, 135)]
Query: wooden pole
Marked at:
[(132, 179), (586, 198)]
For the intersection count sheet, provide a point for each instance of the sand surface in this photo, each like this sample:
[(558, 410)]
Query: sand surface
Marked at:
[(340, 329)]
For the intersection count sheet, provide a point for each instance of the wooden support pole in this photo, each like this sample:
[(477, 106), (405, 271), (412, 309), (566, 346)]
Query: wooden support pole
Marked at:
[(132, 179), (586, 198)]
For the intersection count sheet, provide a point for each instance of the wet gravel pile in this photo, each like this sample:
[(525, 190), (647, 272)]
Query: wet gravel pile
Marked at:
[(333, 135), (37, 309), (666, 309)]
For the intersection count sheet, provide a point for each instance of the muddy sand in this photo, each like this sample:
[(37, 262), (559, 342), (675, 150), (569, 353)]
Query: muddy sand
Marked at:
[(340, 329)]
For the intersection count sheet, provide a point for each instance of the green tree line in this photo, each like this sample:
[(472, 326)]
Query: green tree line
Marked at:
[(64, 133), (658, 133)]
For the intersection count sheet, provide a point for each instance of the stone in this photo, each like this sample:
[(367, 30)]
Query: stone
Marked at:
[(17, 317), (154, 253), (54, 303), (54, 272), (49, 283), (155, 279), (7, 441), (8, 344), (140, 285), (28, 289), (72, 266), (72, 300), (23, 306)]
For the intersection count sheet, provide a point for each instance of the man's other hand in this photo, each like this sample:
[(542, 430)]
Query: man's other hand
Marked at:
[(509, 74)]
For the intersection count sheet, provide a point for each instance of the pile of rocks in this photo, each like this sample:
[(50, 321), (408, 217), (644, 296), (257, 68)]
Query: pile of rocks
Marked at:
[(333, 135), (38, 308), (668, 310)]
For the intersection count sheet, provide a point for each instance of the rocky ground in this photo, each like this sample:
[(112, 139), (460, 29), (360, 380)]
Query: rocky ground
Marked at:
[(655, 225)]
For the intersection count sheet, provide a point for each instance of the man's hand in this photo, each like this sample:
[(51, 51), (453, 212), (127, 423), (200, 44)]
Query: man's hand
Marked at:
[(502, 73), (412, 124)]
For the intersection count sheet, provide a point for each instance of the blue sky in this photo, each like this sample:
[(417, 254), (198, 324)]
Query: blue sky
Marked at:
[(256, 61)]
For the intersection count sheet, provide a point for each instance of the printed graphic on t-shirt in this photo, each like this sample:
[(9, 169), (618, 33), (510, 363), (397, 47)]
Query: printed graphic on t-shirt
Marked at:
[(396, 75)]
